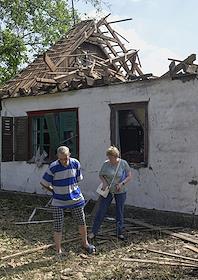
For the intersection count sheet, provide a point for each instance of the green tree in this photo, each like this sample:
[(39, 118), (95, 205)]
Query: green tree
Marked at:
[(28, 27)]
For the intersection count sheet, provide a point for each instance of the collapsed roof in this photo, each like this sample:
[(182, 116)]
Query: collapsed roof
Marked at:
[(90, 54), (180, 69)]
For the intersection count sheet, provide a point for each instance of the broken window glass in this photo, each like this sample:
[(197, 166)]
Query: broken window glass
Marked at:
[(129, 131)]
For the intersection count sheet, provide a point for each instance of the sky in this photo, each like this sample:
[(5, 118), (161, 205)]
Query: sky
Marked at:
[(159, 29)]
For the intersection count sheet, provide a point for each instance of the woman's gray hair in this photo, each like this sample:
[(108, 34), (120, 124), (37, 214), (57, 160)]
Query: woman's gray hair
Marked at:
[(63, 150), (113, 151)]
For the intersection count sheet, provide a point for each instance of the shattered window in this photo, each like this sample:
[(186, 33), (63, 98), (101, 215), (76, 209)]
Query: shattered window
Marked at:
[(129, 131), (51, 130)]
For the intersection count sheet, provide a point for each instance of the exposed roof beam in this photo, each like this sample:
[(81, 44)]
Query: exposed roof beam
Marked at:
[(106, 38), (49, 62), (121, 20), (173, 69)]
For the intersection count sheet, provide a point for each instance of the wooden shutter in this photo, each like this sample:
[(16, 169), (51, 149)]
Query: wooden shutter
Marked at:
[(21, 138), (53, 134), (68, 131), (7, 138)]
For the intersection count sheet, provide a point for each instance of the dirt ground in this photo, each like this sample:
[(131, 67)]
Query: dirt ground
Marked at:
[(114, 259)]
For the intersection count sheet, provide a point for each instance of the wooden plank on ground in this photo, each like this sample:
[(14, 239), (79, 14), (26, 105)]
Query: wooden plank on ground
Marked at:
[(161, 262), (173, 234), (34, 222), (172, 255), (29, 251), (192, 248)]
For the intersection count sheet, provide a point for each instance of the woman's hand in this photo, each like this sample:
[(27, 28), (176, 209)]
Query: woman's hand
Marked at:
[(118, 187)]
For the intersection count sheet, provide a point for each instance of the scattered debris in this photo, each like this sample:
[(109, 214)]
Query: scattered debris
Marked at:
[(30, 251)]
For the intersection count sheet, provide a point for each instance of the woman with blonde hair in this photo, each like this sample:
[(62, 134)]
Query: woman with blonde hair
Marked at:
[(116, 173)]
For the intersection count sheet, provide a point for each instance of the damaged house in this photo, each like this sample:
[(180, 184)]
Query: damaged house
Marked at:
[(88, 92)]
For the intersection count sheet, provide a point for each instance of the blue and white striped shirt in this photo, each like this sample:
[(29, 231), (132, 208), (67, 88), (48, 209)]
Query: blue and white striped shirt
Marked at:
[(64, 180)]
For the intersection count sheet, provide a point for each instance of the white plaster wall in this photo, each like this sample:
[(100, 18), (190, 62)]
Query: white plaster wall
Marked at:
[(173, 141)]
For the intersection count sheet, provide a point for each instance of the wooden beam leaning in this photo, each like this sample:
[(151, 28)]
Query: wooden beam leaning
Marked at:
[(49, 62), (101, 21), (67, 77), (121, 20), (124, 65), (123, 57), (178, 67), (104, 37), (113, 33)]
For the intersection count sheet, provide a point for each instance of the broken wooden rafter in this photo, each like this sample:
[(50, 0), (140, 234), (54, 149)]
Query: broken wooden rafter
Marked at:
[(112, 32), (66, 77), (116, 75), (173, 69), (46, 81), (49, 62), (106, 38), (122, 36), (121, 20), (102, 20), (111, 71), (73, 55), (120, 58)]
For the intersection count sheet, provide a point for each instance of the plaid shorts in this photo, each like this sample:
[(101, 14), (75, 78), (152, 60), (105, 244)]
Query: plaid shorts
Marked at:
[(58, 216)]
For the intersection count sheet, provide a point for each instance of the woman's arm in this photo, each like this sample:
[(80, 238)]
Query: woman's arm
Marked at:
[(125, 181), (128, 178)]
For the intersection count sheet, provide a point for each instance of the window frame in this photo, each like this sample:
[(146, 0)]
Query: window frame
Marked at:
[(41, 113), (115, 108)]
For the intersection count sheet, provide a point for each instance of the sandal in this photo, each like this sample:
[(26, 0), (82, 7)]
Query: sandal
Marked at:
[(122, 237), (90, 249)]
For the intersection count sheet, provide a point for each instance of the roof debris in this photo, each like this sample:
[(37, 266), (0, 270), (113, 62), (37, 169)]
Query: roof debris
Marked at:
[(90, 54), (183, 68)]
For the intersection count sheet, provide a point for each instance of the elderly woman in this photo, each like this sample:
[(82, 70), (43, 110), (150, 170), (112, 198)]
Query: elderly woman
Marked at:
[(118, 188)]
